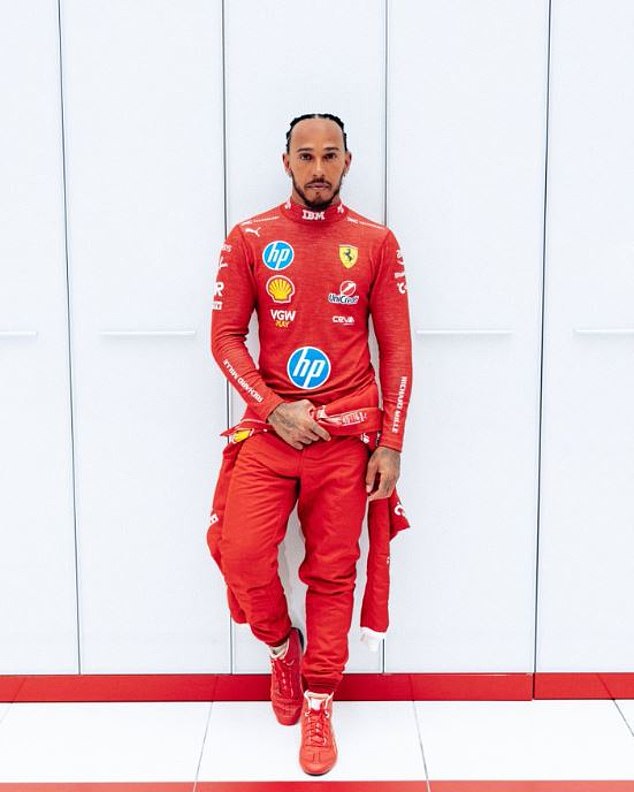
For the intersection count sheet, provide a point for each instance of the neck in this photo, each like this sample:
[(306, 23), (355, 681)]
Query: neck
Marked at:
[(297, 199)]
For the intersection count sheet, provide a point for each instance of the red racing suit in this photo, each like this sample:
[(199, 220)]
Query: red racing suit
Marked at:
[(314, 279)]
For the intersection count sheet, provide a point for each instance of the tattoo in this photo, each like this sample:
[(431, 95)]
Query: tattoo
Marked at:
[(281, 418), (285, 422)]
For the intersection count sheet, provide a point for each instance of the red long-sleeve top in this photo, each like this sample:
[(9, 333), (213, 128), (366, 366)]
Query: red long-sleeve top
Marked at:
[(314, 279)]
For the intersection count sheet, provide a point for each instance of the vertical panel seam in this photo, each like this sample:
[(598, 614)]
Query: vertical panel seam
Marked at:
[(224, 118), (541, 368), (225, 220), (68, 325), (225, 189), (386, 45), (386, 33)]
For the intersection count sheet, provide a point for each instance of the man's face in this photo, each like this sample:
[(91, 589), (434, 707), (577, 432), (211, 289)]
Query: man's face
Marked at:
[(316, 162)]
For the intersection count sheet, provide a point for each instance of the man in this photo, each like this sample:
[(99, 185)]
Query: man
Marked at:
[(314, 271)]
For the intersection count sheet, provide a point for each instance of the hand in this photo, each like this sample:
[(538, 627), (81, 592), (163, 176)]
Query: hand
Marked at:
[(293, 422), (386, 464)]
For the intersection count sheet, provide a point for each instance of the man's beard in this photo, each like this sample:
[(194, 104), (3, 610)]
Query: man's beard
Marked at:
[(320, 203)]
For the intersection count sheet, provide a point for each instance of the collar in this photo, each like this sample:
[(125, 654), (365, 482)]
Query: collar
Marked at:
[(301, 214)]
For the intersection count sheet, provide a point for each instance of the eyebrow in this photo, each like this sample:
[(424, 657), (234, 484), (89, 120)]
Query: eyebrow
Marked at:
[(310, 148)]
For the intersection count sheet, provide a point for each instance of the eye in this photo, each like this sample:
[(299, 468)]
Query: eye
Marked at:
[(304, 155), (331, 155)]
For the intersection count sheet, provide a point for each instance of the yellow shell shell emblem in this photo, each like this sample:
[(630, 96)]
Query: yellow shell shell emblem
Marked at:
[(280, 288), (240, 435), (348, 255)]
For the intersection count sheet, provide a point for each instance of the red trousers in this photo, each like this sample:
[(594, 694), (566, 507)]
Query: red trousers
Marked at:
[(327, 481)]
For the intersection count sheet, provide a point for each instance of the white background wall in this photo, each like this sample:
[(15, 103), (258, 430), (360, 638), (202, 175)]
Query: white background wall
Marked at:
[(120, 173)]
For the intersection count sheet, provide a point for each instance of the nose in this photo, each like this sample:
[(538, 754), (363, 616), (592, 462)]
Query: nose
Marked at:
[(318, 168)]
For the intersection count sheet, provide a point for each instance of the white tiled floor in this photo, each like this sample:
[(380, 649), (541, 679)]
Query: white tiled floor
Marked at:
[(476, 740), (102, 742), (530, 740), (378, 739)]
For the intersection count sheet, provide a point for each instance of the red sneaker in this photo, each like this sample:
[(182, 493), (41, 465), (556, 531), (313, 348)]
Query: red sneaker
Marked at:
[(318, 751), (286, 681)]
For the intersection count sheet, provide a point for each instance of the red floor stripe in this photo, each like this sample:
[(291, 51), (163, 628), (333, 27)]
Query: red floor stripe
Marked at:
[(355, 687), (255, 687), (532, 786), (596, 685), (311, 786), (324, 785), (90, 786)]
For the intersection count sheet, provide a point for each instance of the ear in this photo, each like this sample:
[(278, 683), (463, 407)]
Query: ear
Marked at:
[(286, 162), (348, 160)]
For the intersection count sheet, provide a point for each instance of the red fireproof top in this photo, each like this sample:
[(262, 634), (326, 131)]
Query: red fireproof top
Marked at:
[(314, 278)]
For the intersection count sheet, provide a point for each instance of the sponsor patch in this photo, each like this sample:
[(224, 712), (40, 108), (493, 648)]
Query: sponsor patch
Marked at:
[(346, 294), (353, 417), (282, 317), (400, 403), (242, 382), (308, 215), (308, 367), (348, 255), (343, 320), (280, 288), (218, 289), (278, 255)]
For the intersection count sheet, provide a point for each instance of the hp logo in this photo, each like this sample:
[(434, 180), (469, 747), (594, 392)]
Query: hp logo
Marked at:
[(308, 367), (278, 255)]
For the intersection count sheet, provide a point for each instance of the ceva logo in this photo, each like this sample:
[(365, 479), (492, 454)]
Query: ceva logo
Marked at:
[(278, 255), (308, 367)]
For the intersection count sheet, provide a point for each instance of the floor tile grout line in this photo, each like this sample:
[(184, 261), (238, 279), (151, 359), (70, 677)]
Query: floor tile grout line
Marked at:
[(4, 714), (202, 747), (420, 742), (625, 720)]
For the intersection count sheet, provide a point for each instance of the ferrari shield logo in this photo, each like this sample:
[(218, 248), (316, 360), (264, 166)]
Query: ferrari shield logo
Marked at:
[(348, 255)]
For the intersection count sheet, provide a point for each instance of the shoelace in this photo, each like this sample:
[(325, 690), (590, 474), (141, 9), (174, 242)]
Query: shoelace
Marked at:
[(317, 726), (283, 675)]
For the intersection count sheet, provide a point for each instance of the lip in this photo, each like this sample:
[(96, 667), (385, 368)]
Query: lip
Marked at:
[(319, 186)]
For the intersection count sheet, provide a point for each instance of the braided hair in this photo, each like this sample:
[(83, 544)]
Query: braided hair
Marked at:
[(328, 116)]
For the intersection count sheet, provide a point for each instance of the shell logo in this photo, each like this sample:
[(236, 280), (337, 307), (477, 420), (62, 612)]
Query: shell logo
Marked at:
[(280, 288)]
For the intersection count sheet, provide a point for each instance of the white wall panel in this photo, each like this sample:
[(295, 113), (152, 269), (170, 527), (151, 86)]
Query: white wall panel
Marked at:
[(587, 503), (143, 98), (37, 563), (284, 59), (466, 144)]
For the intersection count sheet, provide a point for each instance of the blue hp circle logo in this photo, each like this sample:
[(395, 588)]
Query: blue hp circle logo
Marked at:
[(278, 255), (308, 367)]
